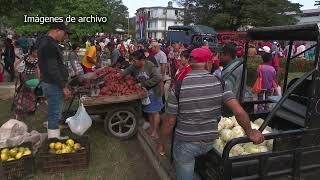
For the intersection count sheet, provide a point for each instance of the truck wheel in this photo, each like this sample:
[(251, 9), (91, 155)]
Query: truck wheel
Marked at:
[(121, 124)]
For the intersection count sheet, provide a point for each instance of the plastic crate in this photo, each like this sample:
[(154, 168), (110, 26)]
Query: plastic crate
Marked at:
[(57, 163), (21, 168)]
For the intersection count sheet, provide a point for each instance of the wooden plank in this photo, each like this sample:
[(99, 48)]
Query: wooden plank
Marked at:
[(98, 100)]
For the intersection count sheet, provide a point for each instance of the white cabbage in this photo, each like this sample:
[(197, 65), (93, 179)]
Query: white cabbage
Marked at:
[(263, 148), (226, 135), (264, 143), (254, 126), (219, 144), (234, 120), (238, 132), (266, 131), (269, 129), (219, 127), (259, 122), (251, 148), (225, 123), (237, 150), (245, 153), (269, 144)]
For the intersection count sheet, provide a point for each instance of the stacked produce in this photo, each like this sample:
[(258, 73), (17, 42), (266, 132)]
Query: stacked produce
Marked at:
[(117, 85), (70, 146), (230, 129), (14, 153)]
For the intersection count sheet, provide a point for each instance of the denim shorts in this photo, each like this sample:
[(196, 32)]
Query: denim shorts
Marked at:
[(155, 105)]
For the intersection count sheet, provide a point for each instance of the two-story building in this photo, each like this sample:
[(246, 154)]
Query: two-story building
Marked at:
[(308, 16), (152, 22)]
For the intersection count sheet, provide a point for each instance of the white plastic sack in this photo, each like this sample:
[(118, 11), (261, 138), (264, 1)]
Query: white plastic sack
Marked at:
[(14, 133), (12, 128), (80, 122)]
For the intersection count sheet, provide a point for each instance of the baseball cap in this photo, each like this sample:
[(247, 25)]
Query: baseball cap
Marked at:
[(61, 26), (265, 49), (201, 55), (153, 44)]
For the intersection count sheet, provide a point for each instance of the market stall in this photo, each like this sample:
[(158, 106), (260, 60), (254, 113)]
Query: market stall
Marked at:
[(116, 99)]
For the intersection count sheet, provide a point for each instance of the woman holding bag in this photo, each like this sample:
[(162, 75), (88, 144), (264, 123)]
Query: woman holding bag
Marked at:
[(266, 79)]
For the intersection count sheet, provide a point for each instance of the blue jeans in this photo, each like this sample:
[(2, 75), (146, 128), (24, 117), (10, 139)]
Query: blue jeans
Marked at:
[(55, 100), (184, 154)]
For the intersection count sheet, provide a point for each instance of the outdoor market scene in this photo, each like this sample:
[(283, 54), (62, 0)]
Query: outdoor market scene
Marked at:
[(150, 90)]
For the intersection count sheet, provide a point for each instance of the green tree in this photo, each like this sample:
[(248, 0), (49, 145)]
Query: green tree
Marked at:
[(317, 3), (233, 14)]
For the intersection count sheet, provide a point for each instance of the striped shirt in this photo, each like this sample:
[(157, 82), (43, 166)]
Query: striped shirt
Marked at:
[(200, 104)]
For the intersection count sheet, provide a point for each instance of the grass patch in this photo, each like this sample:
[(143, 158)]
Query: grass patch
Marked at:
[(110, 158)]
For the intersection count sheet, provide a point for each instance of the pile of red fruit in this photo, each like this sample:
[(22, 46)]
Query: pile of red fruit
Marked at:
[(117, 85)]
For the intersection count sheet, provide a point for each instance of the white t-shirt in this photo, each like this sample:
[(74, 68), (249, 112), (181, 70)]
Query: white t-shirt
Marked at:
[(161, 58), (107, 40), (300, 49)]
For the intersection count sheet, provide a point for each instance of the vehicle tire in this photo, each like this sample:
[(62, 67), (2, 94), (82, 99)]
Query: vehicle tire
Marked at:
[(121, 124)]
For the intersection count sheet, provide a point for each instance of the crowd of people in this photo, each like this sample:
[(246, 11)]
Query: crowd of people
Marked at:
[(282, 50), (193, 101)]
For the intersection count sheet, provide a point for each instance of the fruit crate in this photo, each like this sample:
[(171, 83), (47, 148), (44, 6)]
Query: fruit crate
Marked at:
[(20, 168), (56, 163)]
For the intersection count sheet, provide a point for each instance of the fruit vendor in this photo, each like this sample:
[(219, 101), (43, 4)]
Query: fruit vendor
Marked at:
[(148, 76), (90, 58), (195, 108), (54, 75)]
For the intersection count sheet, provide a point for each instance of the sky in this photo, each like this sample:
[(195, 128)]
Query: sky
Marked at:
[(307, 4), (133, 5)]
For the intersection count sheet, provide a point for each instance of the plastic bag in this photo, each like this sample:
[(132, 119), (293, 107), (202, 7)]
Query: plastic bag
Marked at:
[(145, 101), (80, 122)]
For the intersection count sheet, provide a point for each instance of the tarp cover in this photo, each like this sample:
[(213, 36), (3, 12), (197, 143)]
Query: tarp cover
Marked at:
[(308, 32)]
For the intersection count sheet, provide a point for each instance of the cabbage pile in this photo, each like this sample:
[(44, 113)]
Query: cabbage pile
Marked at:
[(230, 129)]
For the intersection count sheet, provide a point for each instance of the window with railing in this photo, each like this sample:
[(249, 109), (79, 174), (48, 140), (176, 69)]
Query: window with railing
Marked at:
[(149, 14)]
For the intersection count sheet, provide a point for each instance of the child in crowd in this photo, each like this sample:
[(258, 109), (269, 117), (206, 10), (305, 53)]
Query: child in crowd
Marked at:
[(269, 76)]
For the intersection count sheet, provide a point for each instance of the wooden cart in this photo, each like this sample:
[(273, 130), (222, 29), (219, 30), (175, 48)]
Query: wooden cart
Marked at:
[(121, 114)]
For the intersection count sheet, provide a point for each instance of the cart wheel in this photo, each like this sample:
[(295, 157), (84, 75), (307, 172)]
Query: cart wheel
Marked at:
[(121, 124)]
